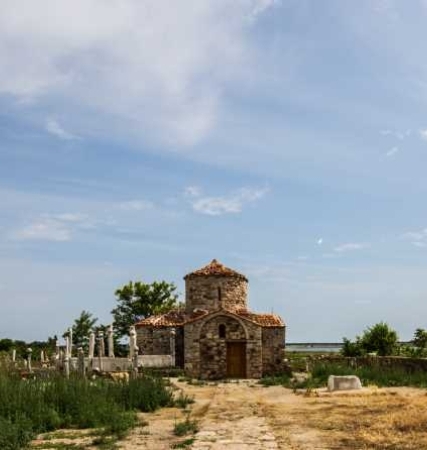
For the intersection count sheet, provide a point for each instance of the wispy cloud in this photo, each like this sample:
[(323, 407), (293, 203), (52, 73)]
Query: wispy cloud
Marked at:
[(228, 204), (44, 230), (135, 205), (53, 127), (392, 152), (259, 6), (53, 227), (423, 134), (351, 246), (417, 238), (171, 65), (401, 135)]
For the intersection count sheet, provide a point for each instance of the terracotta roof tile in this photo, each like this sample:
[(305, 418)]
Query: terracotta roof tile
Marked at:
[(177, 318), (215, 268), (265, 320), (172, 318)]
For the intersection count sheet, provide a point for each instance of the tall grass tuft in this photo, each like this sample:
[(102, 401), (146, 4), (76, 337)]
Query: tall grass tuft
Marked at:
[(28, 407)]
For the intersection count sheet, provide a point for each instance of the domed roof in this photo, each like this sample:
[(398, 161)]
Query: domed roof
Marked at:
[(215, 269)]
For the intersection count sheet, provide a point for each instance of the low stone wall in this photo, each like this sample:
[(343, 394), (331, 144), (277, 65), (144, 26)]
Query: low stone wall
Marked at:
[(121, 364)]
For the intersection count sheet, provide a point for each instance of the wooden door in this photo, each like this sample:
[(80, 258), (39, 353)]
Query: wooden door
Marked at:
[(236, 359)]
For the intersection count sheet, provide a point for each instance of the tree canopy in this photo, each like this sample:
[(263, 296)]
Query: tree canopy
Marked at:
[(379, 339), (420, 338), (82, 328), (138, 300)]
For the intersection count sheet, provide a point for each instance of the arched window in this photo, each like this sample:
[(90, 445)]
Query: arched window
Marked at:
[(221, 331)]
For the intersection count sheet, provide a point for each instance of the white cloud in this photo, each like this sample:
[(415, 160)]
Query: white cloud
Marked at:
[(392, 152), (70, 217), (423, 134), (231, 204), (53, 127), (44, 230), (152, 69), (320, 241), (419, 244), (350, 246), (135, 205), (260, 6), (417, 238), (53, 227)]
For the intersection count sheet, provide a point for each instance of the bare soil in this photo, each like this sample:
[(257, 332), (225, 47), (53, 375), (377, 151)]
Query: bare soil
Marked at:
[(245, 415)]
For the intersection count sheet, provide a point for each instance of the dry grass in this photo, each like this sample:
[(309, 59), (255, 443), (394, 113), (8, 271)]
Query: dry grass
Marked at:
[(372, 420)]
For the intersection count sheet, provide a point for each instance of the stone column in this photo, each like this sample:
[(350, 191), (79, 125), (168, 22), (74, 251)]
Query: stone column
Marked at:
[(81, 361), (14, 355), (57, 350), (110, 342), (67, 346), (29, 352), (132, 342), (101, 348), (42, 358), (101, 344), (172, 346), (91, 345), (70, 332)]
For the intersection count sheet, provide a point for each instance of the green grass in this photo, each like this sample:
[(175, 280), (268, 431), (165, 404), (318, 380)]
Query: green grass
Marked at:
[(379, 376), (187, 426), (30, 407), (183, 400)]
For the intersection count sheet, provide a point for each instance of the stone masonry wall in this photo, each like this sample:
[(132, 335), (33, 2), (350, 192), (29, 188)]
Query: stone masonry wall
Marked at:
[(206, 351), (212, 293), (273, 350), (153, 341)]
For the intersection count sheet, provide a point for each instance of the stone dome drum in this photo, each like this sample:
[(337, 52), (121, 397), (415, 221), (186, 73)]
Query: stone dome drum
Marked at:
[(214, 287)]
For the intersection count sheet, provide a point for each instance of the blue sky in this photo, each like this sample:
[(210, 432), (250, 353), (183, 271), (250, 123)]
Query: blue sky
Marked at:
[(286, 138)]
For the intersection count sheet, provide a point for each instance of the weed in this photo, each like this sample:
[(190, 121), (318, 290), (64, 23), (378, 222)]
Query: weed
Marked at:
[(184, 444), (186, 427), (183, 400)]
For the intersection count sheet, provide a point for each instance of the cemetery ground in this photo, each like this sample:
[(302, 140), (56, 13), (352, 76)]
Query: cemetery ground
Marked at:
[(244, 414)]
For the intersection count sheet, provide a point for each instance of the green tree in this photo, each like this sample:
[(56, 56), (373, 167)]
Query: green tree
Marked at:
[(420, 338), (138, 300), (379, 339), (82, 327), (351, 348)]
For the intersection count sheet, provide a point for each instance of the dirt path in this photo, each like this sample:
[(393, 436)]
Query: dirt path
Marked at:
[(240, 415)]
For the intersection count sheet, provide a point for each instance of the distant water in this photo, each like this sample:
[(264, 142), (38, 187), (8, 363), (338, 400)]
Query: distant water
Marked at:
[(314, 347)]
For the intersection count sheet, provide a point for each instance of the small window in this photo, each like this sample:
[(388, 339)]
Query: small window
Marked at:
[(219, 294), (222, 331)]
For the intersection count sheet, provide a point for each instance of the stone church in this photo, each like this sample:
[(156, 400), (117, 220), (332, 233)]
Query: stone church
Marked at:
[(215, 336)]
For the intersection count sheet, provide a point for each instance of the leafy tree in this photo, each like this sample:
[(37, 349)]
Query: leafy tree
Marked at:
[(82, 328), (6, 345), (350, 348), (138, 300), (420, 338), (379, 339)]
